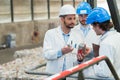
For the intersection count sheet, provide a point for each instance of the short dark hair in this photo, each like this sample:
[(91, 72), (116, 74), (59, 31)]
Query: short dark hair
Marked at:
[(62, 15), (106, 25)]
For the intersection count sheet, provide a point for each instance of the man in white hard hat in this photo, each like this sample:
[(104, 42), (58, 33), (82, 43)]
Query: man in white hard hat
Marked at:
[(60, 43)]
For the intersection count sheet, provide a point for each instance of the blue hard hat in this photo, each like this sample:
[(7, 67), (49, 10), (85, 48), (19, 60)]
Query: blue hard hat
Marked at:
[(83, 8), (98, 14)]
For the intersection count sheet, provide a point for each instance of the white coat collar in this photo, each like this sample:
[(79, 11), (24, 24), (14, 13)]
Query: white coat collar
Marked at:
[(80, 25), (60, 34), (106, 34)]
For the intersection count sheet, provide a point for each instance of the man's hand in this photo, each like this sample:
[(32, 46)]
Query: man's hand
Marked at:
[(81, 56), (87, 51), (67, 49)]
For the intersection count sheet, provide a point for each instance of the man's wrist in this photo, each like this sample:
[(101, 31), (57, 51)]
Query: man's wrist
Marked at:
[(79, 60)]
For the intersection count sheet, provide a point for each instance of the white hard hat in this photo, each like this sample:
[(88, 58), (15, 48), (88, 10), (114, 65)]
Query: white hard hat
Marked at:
[(66, 10)]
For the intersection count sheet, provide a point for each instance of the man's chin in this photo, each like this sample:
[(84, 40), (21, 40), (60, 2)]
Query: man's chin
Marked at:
[(83, 23), (70, 27)]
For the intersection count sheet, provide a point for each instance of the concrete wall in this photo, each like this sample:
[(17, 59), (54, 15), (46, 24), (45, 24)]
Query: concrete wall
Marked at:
[(24, 30), (23, 26)]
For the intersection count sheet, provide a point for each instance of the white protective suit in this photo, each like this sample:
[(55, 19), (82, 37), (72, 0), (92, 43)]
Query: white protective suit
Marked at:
[(110, 47), (90, 38), (53, 42)]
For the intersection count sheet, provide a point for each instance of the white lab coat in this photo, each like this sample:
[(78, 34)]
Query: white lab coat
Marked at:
[(53, 42), (110, 47), (90, 38)]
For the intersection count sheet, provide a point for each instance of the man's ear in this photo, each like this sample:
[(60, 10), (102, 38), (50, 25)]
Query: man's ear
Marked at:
[(98, 26), (62, 18)]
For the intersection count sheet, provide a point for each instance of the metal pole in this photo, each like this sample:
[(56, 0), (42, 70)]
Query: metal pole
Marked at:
[(32, 10), (74, 3), (11, 8), (114, 13), (92, 3), (48, 6), (112, 69), (80, 76), (83, 66), (62, 3)]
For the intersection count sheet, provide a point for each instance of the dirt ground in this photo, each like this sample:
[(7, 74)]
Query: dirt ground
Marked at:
[(6, 55)]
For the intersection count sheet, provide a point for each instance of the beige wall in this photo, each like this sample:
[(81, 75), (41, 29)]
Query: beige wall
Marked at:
[(23, 26), (24, 30)]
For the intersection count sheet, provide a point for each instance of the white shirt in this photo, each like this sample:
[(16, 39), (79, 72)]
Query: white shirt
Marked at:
[(90, 37)]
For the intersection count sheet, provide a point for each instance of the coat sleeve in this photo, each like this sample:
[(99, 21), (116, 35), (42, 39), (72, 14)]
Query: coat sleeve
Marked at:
[(50, 53), (102, 70)]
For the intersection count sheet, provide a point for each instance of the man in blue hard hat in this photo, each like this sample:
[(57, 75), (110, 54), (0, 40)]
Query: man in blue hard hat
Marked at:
[(85, 30), (109, 42)]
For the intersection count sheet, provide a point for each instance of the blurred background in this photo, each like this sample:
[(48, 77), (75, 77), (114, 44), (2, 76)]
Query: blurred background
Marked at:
[(23, 24)]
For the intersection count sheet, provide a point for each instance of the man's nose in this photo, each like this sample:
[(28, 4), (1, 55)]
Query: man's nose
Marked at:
[(73, 21)]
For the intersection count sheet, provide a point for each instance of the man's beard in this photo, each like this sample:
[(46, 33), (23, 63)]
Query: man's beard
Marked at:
[(83, 22), (70, 25)]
